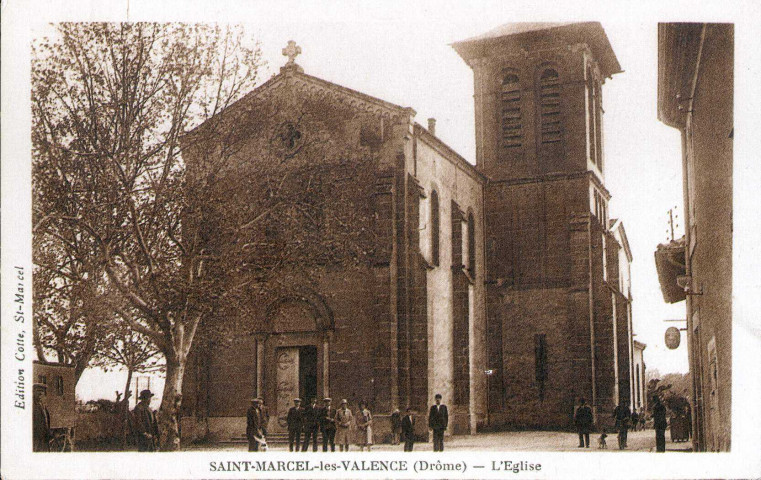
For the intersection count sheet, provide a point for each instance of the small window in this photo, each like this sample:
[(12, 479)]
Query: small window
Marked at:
[(512, 127), (59, 385), (540, 360), (471, 245), (435, 227)]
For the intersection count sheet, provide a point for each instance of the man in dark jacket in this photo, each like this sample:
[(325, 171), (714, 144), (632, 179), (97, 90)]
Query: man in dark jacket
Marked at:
[(438, 419), (327, 417), (623, 416), (660, 424), (144, 424), (408, 430), (310, 424), (294, 424), (40, 419), (583, 422), (254, 426)]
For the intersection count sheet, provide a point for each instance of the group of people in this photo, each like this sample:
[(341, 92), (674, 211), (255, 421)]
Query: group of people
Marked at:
[(625, 420), (340, 425), (335, 425)]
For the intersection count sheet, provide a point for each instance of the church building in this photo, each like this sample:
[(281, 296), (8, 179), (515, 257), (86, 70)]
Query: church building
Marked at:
[(503, 286)]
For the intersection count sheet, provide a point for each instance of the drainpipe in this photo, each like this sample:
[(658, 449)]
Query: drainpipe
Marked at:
[(698, 414), (590, 285)]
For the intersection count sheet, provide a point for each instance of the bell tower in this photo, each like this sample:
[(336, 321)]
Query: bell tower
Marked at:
[(539, 140)]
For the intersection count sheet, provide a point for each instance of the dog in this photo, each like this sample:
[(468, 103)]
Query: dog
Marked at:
[(601, 444)]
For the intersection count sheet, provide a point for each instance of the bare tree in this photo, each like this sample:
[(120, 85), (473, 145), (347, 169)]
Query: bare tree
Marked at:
[(189, 229), (110, 103)]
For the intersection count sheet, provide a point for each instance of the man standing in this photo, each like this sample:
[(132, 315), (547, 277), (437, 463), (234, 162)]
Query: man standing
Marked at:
[(660, 424), (146, 428), (438, 419), (344, 419), (254, 426), (310, 424), (327, 418), (396, 426), (294, 421), (265, 416), (40, 419), (583, 422), (408, 430), (623, 416)]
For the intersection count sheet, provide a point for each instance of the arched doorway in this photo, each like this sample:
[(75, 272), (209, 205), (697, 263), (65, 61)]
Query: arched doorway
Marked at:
[(295, 355)]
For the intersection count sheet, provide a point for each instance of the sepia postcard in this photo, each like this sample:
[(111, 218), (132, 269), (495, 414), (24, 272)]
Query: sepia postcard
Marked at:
[(380, 240)]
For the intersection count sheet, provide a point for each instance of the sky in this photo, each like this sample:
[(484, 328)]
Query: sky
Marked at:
[(411, 63)]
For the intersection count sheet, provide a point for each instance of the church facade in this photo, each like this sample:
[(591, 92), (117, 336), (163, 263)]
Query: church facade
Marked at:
[(502, 286)]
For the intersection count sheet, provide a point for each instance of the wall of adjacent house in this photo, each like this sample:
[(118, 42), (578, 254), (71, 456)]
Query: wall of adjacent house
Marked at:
[(709, 150)]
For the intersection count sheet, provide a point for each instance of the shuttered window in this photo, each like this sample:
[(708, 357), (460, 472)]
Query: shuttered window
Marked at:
[(549, 93), (512, 127)]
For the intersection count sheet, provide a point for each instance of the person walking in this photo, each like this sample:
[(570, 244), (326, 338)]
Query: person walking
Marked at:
[(364, 427), (40, 419), (294, 420), (635, 419), (583, 420), (310, 425), (396, 426), (660, 424), (438, 420), (408, 430), (344, 419), (254, 426), (623, 416), (327, 416), (145, 427)]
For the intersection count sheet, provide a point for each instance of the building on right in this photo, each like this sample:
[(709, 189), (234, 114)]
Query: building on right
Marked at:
[(695, 96)]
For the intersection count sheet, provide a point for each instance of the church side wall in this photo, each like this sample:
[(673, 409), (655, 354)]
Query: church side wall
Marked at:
[(455, 305)]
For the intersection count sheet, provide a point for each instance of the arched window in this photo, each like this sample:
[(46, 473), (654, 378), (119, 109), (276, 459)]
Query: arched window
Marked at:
[(512, 128), (435, 227), (549, 94), (471, 245)]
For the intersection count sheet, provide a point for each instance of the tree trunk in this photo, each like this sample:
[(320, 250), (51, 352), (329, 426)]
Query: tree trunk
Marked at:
[(124, 410), (169, 428)]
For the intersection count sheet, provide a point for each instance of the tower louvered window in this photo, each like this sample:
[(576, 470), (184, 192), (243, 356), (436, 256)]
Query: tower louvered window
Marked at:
[(512, 128), (549, 93)]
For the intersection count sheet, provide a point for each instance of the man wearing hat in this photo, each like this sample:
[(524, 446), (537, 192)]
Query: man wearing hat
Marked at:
[(145, 427), (40, 419), (265, 415), (310, 424), (344, 420), (327, 418), (254, 426), (438, 420), (294, 424), (408, 430)]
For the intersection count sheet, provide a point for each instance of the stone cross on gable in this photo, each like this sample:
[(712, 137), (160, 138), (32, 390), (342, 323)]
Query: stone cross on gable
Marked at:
[(291, 51)]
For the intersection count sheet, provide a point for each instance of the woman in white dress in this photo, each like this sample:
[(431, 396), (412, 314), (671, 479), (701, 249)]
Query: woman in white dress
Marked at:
[(364, 427)]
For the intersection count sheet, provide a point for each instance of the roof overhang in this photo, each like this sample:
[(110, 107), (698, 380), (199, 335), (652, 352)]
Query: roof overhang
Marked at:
[(523, 35), (678, 52), (669, 262)]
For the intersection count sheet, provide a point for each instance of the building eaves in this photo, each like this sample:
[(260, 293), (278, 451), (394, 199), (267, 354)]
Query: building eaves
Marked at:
[(449, 153)]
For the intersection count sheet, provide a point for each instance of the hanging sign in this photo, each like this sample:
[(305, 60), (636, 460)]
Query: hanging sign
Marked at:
[(673, 338)]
